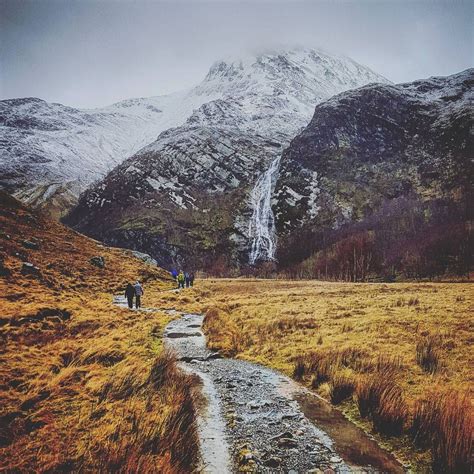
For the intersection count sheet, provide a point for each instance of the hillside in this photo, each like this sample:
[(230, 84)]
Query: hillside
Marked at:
[(378, 184), (84, 384), (50, 153), (184, 198)]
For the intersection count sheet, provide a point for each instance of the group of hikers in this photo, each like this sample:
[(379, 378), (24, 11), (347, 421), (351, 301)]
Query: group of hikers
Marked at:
[(134, 291), (183, 278)]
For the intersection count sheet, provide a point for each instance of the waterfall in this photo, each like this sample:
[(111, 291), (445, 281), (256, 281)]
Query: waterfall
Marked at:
[(262, 230)]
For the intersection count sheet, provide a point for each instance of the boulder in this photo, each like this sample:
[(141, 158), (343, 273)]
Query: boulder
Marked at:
[(29, 269), (98, 261), (29, 244), (145, 258)]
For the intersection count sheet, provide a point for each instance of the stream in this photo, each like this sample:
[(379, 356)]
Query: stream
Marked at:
[(258, 420)]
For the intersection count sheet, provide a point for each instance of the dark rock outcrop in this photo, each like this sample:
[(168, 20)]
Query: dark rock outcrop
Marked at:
[(29, 269)]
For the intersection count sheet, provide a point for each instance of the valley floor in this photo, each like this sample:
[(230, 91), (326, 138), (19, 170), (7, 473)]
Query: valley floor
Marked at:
[(395, 358)]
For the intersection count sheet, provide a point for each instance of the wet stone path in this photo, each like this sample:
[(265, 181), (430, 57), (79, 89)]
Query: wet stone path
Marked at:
[(264, 429), (255, 419)]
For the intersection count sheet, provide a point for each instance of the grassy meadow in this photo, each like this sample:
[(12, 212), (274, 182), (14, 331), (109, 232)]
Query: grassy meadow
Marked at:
[(84, 385), (397, 358)]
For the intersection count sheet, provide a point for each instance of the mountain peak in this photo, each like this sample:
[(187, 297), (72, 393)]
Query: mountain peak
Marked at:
[(277, 62)]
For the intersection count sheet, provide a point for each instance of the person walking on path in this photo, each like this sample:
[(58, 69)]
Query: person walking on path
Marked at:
[(191, 278), (181, 279), (129, 294), (186, 277), (138, 294)]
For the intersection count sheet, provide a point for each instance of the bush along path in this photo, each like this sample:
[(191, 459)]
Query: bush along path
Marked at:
[(254, 419)]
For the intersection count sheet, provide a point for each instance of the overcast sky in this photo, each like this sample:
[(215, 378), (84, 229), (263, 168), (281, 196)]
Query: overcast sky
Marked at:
[(93, 53)]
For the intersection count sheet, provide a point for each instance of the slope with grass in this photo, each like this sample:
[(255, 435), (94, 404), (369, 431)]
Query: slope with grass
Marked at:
[(84, 385), (395, 357)]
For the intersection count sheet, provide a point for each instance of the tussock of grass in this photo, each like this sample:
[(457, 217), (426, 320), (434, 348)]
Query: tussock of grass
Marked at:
[(428, 353), (381, 399), (445, 422), (342, 387)]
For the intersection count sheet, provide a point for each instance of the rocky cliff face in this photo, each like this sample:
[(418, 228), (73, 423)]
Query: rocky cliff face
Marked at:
[(186, 195), (370, 147)]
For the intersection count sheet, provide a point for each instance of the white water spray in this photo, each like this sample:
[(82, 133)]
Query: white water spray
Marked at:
[(262, 223)]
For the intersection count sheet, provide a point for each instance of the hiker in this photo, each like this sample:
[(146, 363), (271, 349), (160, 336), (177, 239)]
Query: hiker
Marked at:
[(191, 278), (181, 279), (138, 294), (129, 294), (186, 278), (174, 274)]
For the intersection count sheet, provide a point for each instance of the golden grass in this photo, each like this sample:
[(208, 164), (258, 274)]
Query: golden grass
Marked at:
[(84, 385), (391, 343)]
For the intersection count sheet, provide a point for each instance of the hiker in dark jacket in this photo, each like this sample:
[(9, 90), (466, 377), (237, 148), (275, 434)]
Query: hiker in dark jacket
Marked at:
[(191, 278), (138, 294), (186, 277), (129, 294)]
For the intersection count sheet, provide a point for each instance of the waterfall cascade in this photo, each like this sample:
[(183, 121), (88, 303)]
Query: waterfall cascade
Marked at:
[(262, 230)]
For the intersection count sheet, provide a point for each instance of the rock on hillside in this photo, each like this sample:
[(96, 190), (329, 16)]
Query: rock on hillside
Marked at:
[(184, 197)]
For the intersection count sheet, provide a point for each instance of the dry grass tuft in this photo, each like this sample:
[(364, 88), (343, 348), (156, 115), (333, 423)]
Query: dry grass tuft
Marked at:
[(341, 387), (445, 423), (428, 353), (381, 399)]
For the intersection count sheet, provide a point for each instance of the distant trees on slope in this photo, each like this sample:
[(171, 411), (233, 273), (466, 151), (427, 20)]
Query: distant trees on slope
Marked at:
[(406, 238)]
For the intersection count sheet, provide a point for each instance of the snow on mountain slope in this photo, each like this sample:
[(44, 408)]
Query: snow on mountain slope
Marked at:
[(50, 152), (207, 165)]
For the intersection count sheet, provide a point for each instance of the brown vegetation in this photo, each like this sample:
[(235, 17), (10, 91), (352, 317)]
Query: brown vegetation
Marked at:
[(376, 350), (84, 385), (445, 422)]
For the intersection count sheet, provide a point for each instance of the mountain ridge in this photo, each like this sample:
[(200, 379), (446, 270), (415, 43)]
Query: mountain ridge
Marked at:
[(50, 153), (212, 160)]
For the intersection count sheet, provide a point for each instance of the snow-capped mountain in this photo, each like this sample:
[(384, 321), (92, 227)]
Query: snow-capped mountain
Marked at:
[(49, 152), (200, 173)]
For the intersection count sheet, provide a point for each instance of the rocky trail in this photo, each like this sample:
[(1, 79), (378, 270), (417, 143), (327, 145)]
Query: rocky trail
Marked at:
[(254, 419)]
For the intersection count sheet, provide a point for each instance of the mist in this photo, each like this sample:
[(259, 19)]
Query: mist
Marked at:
[(93, 53)]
